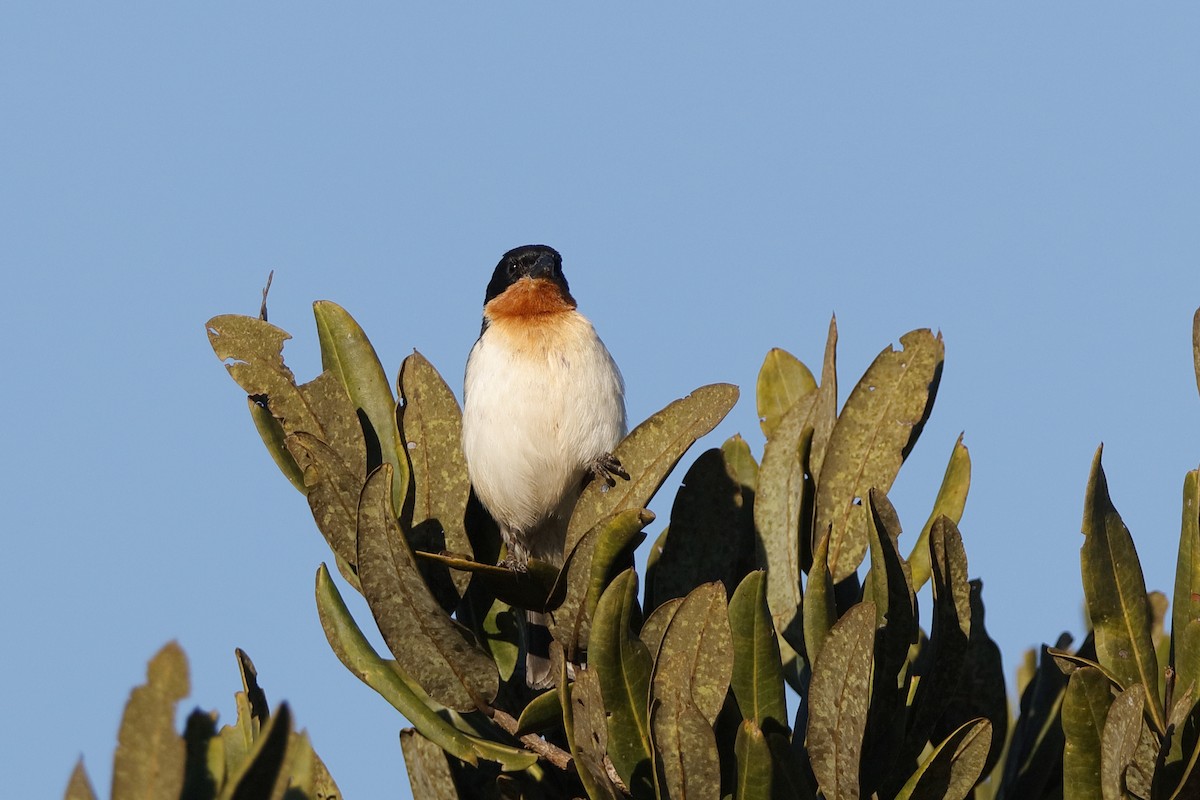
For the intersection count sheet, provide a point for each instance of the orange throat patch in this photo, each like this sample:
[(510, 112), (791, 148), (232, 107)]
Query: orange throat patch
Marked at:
[(529, 297)]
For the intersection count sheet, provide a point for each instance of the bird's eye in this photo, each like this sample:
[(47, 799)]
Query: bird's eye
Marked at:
[(511, 268)]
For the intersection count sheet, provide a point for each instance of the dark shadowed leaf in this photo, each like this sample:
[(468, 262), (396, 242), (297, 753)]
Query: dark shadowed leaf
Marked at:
[(688, 764), (1034, 760), (622, 664), (838, 702), (695, 661), (431, 430), (757, 678), (440, 653), (429, 774), (754, 769), (649, 453), (347, 353), (151, 758), (273, 435), (782, 505), (782, 381), (950, 502), (820, 606), (261, 775), (1185, 609), (951, 770), (1084, 709), (1116, 595), (541, 713), (711, 536), (877, 427)]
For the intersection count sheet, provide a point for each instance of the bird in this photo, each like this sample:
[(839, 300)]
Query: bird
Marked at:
[(543, 406)]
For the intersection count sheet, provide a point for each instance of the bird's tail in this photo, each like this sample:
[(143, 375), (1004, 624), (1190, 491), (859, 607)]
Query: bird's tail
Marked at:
[(539, 669)]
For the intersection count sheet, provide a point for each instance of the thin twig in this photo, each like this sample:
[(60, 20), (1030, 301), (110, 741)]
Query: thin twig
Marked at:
[(555, 755), (262, 310)]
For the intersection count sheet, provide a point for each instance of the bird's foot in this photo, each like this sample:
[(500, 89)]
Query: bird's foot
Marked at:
[(515, 564), (607, 468)]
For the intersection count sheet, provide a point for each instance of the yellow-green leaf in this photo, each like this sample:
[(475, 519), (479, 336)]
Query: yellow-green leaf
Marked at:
[(825, 411), (695, 661), (429, 774), (950, 502), (754, 769), (151, 757), (877, 427), (80, 786), (782, 381), (1185, 609), (1084, 709), (757, 678)]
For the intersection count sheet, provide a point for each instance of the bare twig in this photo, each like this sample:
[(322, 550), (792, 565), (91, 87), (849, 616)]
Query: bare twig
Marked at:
[(555, 755), (262, 310)]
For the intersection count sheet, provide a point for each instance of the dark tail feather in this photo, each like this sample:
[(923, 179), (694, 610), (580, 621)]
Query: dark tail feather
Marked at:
[(539, 670)]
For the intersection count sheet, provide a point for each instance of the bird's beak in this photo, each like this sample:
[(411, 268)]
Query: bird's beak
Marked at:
[(543, 267)]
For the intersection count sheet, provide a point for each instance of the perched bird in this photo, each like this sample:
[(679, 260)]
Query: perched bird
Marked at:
[(544, 405)]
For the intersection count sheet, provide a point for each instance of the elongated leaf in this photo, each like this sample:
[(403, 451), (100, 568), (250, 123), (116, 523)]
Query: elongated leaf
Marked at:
[(1119, 740), (441, 654), (429, 773), (689, 766), (273, 435), (356, 653), (820, 605), (260, 776), (714, 507), (1116, 595), (950, 502), (151, 758), (583, 717), (347, 353), (825, 411), (655, 626), (757, 678), (754, 768), (80, 786), (1035, 754), (622, 664), (952, 769), (583, 577), (530, 589), (1196, 345), (695, 661), (333, 492), (541, 713), (781, 505), (878, 426), (649, 453), (782, 381), (431, 430), (1185, 608), (838, 703), (253, 353), (306, 776), (1084, 709)]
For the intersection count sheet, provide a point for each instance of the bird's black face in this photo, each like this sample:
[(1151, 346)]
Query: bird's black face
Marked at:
[(529, 261)]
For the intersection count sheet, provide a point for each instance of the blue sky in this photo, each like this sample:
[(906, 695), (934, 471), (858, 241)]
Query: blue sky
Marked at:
[(1023, 177)]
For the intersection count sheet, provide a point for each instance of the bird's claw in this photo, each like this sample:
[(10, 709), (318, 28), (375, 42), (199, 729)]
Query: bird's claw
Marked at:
[(607, 468)]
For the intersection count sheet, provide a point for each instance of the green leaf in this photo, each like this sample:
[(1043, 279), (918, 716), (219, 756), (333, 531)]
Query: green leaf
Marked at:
[(272, 434), (429, 774), (782, 381), (825, 410), (541, 713), (80, 786), (583, 718), (253, 353), (501, 636), (348, 354), (622, 664), (1119, 740), (838, 703), (431, 430), (781, 505), (950, 502), (440, 653), (151, 758), (715, 507), (1185, 609), (757, 678), (585, 573), (1084, 709), (820, 605), (1116, 595), (655, 626), (259, 776), (689, 766), (754, 768), (333, 492), (649, 453), (307, 778), (356, 653), (878, 426), (695, 661), (952, 769)]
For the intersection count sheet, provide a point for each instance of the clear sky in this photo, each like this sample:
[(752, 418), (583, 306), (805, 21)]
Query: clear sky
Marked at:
[(1024, 177)]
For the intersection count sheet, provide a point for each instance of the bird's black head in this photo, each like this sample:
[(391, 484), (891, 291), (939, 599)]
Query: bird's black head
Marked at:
[(528, 261)]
